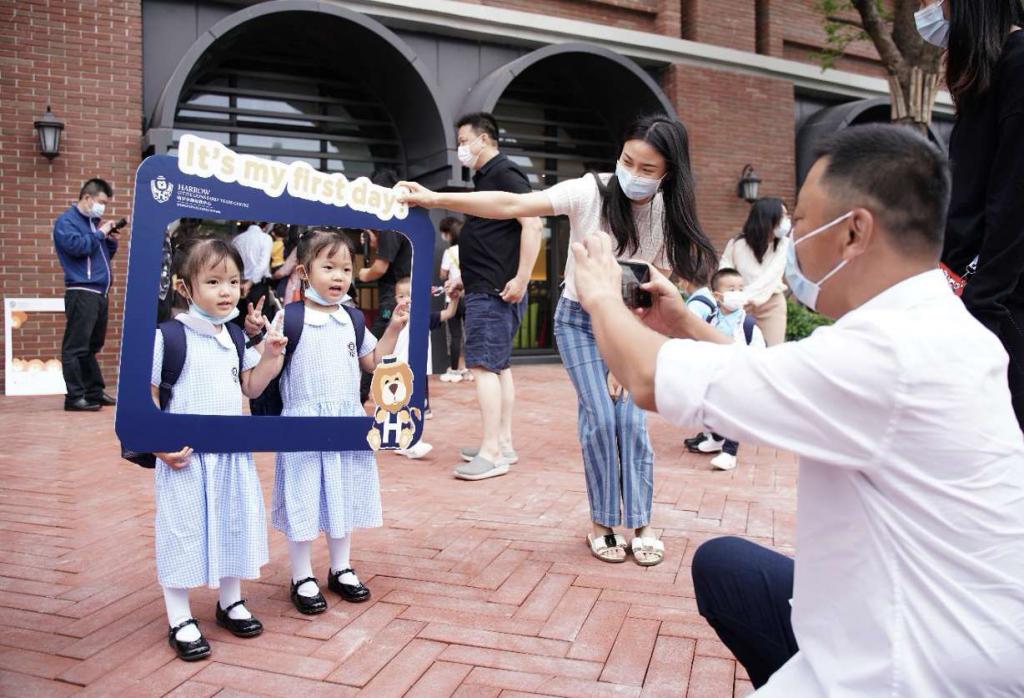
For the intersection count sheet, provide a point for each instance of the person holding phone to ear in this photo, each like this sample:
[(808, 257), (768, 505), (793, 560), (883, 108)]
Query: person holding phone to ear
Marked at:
[(648, 206)]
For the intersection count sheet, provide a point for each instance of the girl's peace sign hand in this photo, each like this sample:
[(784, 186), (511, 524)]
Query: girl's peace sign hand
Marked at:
[(400, 315), (255, 320), (275, 341), (178, 459)]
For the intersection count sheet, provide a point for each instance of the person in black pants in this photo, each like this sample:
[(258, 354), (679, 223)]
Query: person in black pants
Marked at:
[(393, 261), (84, 247), (985, 229)]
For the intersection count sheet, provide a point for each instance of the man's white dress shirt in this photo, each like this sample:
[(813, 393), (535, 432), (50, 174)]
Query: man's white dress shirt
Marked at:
[(909, 572), (255, 247)]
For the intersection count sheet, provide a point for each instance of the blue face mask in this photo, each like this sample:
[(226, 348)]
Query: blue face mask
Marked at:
[(197, 312), (634, 187), (312, 295), (805, 290)]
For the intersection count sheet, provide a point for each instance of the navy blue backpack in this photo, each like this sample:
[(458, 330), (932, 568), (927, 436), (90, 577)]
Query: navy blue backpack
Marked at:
[(175, 347), (270, 403), (749, 321)]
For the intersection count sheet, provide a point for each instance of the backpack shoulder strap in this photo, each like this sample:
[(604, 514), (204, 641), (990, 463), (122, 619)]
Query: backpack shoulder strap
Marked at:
[(175, 347), (294, 319), (358, 324), (238, 337), (709, 303), (749, 323)]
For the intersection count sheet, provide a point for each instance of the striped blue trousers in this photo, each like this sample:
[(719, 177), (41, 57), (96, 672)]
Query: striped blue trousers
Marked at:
[(617, 457)]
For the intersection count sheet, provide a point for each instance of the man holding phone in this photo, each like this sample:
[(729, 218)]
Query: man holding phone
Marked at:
[(84, 247)]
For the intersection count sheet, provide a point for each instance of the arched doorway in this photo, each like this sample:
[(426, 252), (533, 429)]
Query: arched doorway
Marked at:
[(349, 97), (825, 122), (561, 110)]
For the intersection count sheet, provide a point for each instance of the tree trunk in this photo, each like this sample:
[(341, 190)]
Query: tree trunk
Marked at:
[(913, 91)]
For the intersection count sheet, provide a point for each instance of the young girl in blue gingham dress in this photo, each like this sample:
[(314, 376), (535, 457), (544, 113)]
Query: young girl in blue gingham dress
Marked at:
[(333, 492), (210, 524)]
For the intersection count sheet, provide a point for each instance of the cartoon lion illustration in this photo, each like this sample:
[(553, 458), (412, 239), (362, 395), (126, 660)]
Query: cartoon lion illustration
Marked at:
[(393, 426)]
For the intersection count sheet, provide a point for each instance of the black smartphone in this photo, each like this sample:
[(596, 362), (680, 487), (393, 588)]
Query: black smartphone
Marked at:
[(633, 275), (120, 224)]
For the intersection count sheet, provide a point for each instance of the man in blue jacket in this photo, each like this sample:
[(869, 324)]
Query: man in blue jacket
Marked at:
[(84, 247)]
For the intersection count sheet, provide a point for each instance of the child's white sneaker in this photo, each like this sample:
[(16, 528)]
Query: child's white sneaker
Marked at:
[(451, 376), (417, 451), (723, 461)]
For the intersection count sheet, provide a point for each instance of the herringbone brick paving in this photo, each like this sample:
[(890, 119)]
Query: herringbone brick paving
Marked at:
[(479, 589)]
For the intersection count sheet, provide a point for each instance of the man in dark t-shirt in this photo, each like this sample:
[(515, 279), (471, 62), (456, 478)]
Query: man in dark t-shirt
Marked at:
[(496, 258)]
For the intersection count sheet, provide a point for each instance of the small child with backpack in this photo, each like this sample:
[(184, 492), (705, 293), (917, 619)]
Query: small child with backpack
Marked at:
[(210, 524), (722, 307), (332, 492)]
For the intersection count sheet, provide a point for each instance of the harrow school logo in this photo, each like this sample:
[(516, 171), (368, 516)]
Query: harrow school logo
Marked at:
[(204, 158), (161, 189)]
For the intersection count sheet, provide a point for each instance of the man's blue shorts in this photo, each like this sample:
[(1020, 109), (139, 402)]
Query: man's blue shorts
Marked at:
[(491, 325)]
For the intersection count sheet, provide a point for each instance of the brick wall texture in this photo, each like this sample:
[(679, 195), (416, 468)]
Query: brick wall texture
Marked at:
[(85, 59)]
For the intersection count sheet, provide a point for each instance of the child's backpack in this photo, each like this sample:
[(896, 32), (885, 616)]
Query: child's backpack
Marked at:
[(270, 403), (749, 323), (175, 347), (709, 303)]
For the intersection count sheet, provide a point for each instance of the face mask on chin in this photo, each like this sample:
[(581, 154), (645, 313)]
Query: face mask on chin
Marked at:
[(195, 311)]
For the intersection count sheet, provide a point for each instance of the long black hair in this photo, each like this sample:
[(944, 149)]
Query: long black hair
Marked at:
[(759, 230), (977, 35), (690, 253)]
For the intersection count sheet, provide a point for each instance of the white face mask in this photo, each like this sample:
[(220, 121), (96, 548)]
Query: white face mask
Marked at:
[(805, 290), (195, 311), (97, 209), (932, 26), (465, 153), (634, 187), (734, 300), (784, 227)]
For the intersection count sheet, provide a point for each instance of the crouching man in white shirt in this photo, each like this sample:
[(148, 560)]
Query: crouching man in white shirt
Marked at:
[(910, 505)]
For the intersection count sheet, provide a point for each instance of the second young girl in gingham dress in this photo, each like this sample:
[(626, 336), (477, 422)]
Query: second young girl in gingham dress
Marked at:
[(333, 492), (210, 524)]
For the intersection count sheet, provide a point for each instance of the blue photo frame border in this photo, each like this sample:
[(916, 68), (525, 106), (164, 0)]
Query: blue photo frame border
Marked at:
[(139, 423)]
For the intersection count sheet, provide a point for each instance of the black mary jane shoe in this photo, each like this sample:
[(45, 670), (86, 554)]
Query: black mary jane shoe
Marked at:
[(239, 627), (354, 593), (189, 651), (309, 605)]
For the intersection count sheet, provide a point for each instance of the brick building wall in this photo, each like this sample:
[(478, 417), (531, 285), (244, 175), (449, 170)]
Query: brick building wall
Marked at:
[(85, 60), (733, 120)]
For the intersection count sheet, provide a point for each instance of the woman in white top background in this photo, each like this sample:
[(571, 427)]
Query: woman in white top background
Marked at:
[(648, 206), (759, 255)]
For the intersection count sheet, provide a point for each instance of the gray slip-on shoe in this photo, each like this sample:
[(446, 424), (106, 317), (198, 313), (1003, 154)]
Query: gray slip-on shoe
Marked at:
[(468, 454), (481, 469)]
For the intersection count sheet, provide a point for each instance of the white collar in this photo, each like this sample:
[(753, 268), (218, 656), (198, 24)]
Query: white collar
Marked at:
[(205, 327), (911, 291), (317, 318)]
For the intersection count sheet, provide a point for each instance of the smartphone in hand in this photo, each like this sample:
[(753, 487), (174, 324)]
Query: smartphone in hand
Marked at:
[(633, 275)]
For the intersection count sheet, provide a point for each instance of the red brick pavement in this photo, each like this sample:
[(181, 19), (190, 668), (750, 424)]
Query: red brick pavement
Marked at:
[(480, 589)]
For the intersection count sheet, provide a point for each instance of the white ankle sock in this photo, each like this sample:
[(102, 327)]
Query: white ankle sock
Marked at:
[(341, 549), (300, 553), (178, 611), (230, 592)]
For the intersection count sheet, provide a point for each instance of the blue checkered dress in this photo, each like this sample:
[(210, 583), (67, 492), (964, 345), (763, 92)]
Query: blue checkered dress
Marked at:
[(210, 521), (333, 492)]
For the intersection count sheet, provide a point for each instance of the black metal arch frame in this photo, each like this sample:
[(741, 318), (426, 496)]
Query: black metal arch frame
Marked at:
[(424, 137)]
